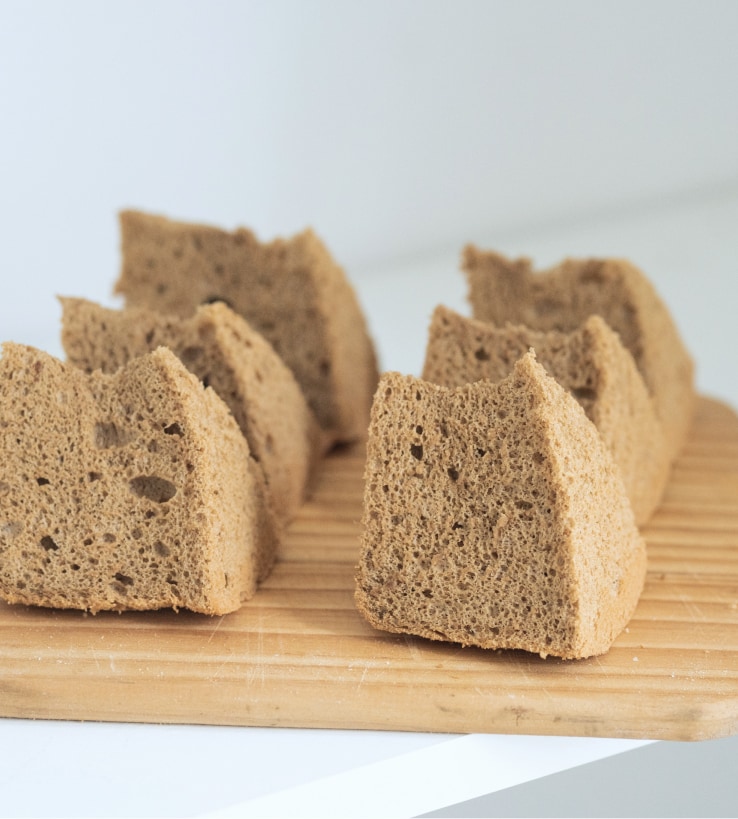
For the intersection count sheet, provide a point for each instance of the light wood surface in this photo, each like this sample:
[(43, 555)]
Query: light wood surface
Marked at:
[(299, 655)]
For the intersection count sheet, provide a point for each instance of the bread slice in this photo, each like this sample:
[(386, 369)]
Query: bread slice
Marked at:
[(125, 491), (226, 353), (590, 362), (291, 291), (562, 298), (494, 516)]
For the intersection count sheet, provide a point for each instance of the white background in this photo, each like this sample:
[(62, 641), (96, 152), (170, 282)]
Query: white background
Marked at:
[(399, 131), (395, 127)]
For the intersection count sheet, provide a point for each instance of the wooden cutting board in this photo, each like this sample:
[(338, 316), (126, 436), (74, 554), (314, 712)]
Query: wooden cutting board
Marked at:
[(299, 655)]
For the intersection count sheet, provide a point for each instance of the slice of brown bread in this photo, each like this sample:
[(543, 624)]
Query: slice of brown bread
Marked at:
[(291, 291), (562, 298), (494, 516), (226, 353), (590, 362), (125, 491)]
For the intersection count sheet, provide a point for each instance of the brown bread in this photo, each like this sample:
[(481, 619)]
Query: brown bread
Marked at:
[(590, 362), (494, 516), (226, 353), (562, 298), (291, 291), (125, 491)]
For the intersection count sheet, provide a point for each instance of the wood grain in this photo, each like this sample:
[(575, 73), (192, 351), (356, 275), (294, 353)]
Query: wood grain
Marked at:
[(299, 655)]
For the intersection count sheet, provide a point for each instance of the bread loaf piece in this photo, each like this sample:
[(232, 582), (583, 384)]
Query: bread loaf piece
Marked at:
[(494, 516), (226, 353), (291, 291), (125, 491), (590, 362), (562, 298)]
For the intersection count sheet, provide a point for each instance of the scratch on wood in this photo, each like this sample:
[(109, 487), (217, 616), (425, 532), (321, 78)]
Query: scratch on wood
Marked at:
[(217, 626), (413, 646)]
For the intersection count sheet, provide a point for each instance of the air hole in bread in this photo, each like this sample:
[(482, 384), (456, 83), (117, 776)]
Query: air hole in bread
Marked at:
[(42, 481), (49, 544), (154, 488), (124, 579), (174, 429), (416, 450), (481, 354), (162, 549), (93, 476)]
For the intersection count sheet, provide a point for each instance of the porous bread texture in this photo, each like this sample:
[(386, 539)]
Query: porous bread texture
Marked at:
[(226, 353), (494, 516), (290, 290), (563, 297), (590, 362), (125, 491)]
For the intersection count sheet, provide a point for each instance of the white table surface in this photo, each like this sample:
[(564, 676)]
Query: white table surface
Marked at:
[(689, 248)]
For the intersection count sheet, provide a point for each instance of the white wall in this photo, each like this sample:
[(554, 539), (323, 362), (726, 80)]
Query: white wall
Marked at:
[(394, 127)]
